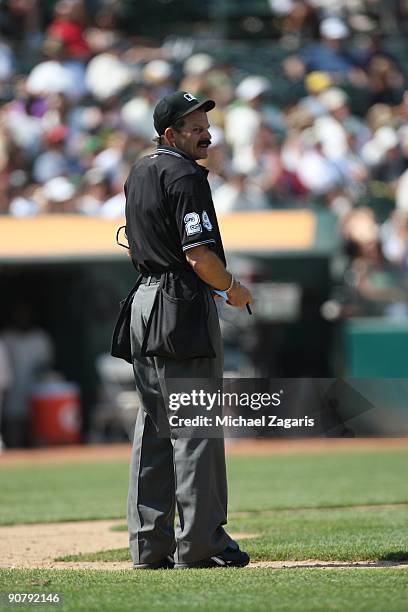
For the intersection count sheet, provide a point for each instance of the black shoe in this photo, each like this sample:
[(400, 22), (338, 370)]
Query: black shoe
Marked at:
[(166, 563), (229, 557)]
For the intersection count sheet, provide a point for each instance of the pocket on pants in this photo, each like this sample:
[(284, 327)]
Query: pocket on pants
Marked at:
[(178, 327)]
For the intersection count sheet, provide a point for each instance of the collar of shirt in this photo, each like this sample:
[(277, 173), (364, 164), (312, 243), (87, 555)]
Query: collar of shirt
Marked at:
[(179, 153)]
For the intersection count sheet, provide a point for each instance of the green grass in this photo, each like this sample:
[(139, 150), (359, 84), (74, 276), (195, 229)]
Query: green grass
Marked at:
[(62, 492), (329, 506), (47, 493), (329, 479), (330, 535), (291, 590)]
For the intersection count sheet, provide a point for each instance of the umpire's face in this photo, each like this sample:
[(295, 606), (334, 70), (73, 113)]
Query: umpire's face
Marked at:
[(193, 138)]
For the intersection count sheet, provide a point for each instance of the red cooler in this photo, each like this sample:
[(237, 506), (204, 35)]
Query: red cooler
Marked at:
[(55, 414)]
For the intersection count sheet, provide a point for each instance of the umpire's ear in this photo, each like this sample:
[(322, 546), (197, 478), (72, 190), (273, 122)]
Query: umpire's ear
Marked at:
[(169, 136)]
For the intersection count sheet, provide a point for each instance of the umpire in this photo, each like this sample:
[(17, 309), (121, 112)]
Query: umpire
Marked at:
[(176, 246)]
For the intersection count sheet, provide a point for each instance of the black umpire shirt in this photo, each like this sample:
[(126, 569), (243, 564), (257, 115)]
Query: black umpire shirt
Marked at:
[(169, 210)]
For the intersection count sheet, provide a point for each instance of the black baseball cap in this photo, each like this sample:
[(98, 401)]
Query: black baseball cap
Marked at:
[(175, 106)]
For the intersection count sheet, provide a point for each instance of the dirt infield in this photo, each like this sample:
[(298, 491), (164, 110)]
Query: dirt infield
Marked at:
[(37, 546), (121, 452)]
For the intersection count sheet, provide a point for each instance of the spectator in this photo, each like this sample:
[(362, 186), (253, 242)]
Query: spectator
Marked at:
[(94, 192), (238, 194), (394, 238), (315, 83), (114, 206), (31, 354), (402, 192), (22, 204), (66, 31), (263, 163), (52, 161), (318, 173), (71, 127), (336, 103), (7, 62), (218, 162), (249, 113), (329, 55), (59, 195), (103, 34), (380, 289)]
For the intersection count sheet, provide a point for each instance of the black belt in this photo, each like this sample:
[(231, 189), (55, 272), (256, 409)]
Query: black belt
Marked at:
[(151, 278)]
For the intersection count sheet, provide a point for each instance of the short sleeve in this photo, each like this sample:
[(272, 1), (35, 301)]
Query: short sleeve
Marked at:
[(193, 211)]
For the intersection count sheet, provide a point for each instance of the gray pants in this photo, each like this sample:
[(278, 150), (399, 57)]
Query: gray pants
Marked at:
[(164, 473)]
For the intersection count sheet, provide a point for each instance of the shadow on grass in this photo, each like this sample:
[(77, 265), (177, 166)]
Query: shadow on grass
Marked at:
[(325, 564), (398, 555), (287, 509)]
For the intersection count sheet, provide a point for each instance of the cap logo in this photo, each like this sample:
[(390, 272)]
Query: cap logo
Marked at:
[(189, 97)]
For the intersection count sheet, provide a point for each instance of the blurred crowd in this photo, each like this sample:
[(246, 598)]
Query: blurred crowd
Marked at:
[(77, 94)]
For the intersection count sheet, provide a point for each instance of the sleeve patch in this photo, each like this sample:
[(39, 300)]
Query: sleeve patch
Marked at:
[(192, 224), (206, 221)]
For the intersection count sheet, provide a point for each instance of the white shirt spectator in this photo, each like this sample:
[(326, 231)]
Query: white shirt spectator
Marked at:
[(23, 207), (54, 77), (332, 136), (401, 196), (317, 173), (394, 237), (6, 62), (30, 351), (241, 124), (114, 207), (238, 194)]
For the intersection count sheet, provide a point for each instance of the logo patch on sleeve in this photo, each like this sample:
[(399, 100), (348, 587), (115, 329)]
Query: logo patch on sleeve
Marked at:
[(206, 221)]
